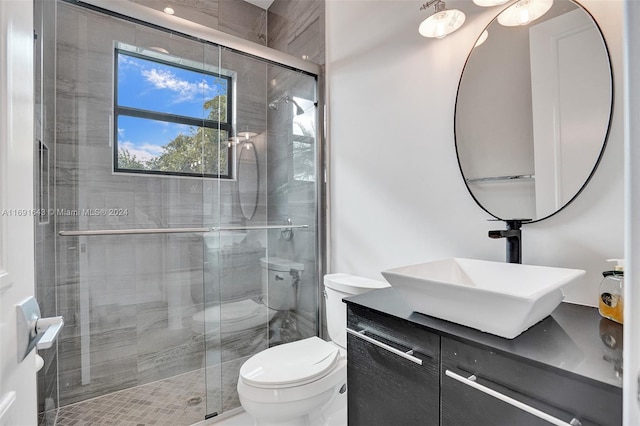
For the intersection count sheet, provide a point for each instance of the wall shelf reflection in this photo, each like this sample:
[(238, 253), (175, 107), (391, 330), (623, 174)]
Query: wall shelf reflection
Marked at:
[(509, 178)]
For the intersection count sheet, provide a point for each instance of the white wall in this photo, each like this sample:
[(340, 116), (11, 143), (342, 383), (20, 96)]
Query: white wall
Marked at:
[(397, 196)]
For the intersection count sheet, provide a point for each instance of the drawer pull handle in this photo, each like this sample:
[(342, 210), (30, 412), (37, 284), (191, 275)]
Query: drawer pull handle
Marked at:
[(471, 381), (406, 355)]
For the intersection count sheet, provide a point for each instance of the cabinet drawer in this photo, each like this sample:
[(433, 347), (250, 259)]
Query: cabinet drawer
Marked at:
[(395, 331), (542, 388), (384, 387)]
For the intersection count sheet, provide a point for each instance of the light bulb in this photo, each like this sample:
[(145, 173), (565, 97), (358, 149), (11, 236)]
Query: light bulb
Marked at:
[(442, 23), (524, 12), (169, 10), (247, 134), (440, 29), (523, 16)]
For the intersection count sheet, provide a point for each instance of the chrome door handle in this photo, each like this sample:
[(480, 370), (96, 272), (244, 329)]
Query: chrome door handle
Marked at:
[(406, 355), (471, 381), (49, 328)]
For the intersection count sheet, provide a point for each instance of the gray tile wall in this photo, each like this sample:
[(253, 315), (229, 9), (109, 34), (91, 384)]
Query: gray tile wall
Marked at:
[(234, 17), (288, 198), (295, 27)]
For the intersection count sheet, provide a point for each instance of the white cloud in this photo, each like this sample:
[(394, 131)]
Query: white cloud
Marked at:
[(120, 132), (125, 62), (143, 152), (185, 90)]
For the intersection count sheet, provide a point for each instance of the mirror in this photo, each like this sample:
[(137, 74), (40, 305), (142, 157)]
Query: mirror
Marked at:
[(248, 179), (533, 112)]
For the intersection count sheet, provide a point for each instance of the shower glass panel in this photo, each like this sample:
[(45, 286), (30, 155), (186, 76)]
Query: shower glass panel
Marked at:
[(134, 149), (159, 132), (262, 273)]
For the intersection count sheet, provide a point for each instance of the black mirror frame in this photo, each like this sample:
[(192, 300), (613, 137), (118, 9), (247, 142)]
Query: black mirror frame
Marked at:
[(604, 142)]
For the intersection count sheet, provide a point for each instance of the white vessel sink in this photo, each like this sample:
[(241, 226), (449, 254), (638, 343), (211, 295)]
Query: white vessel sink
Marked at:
[(499, 298)]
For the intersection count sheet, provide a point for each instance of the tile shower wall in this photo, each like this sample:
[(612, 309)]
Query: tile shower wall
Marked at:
[(128, 301), (297, 28), (235, 17)]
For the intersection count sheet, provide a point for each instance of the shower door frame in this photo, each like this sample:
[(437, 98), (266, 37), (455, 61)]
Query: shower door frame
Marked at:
[(133, 11)]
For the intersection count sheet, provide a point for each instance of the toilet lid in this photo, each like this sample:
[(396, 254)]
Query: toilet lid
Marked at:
[(230, 313), (291, 364)]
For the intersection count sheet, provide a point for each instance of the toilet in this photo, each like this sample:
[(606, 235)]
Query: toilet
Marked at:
[(245, 308), (304, 382)]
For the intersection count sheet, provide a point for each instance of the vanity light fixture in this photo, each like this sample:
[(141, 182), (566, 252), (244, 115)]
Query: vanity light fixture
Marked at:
[(524, 12), (444, 21), (246, 133), (160, 50), (489, 3), (169, 10), (482, 38)]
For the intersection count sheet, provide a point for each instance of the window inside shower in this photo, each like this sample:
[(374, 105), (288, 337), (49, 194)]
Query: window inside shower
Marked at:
[(171, 116), (161, 275)]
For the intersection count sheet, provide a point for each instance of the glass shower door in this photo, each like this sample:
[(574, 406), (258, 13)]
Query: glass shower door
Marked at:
[(132, 156), (263, 280)]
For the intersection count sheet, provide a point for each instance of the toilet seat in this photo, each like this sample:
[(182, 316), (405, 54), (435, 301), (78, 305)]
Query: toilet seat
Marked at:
[(290, 365), (234, 316)]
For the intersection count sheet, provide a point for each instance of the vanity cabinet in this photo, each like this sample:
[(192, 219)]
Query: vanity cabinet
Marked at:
[(392, 371), (481, 386), (558, 372)]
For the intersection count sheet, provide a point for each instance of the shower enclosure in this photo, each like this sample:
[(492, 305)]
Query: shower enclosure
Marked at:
[(180, 178)]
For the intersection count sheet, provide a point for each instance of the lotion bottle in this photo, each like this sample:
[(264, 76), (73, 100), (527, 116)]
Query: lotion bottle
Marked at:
[(611, 301)]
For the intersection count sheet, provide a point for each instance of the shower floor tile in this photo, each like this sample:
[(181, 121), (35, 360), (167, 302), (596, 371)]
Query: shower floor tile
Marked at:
[(178, 400)]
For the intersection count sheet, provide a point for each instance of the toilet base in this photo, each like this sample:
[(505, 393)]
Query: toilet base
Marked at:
[(334, 414)]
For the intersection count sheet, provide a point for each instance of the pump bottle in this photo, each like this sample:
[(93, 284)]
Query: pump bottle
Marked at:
[(611, 301)]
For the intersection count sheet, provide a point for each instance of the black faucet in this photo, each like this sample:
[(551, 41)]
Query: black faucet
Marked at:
[(514, 238)]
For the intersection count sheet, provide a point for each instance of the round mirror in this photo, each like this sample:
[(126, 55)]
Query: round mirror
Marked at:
[(248, 179), (533, 112)]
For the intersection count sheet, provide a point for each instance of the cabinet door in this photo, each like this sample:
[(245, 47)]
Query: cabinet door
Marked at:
[(383, 387), (502, 390)]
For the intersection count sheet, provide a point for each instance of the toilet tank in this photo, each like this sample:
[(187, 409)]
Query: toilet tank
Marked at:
[(280, 278), (337, 287)]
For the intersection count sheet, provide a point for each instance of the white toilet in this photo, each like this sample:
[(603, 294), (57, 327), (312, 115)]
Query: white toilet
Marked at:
[(304, 382)]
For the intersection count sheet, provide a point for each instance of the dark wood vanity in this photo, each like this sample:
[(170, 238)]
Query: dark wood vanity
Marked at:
[(406, 368)]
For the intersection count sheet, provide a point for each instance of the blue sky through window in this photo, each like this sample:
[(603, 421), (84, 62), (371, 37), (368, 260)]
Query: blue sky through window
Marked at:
[(158, 87)]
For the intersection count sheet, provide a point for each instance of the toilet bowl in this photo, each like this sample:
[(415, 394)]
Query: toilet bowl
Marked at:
[(304, 382), (232, 330), (231, 317)]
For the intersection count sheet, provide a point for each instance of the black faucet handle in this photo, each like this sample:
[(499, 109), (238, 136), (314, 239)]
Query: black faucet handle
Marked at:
[(513, 235), (496, 234)]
